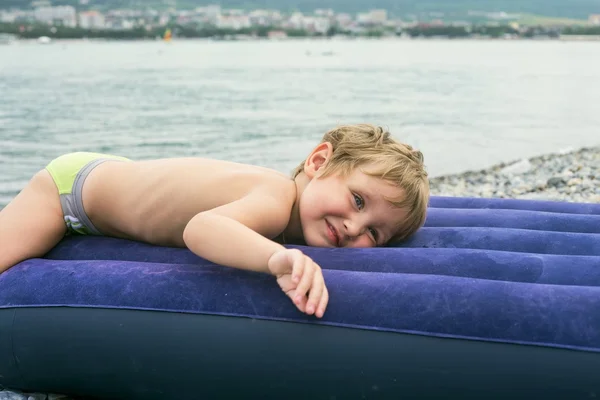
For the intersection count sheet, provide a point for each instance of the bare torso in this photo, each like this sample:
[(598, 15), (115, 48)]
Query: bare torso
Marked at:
[(153, 201)]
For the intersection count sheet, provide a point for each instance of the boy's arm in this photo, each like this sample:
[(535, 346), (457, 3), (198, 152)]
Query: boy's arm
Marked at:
[(235, 234)]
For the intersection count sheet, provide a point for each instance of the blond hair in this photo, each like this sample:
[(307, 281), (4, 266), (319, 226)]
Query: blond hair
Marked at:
[(392, 161)]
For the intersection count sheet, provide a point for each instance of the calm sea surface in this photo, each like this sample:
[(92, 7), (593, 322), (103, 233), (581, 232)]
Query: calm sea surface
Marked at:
[(465, 104)]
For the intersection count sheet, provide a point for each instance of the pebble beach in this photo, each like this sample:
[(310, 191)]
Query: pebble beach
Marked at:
[(572, 176)]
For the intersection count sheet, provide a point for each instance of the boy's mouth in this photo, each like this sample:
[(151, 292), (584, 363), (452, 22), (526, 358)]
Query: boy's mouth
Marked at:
[(332, 234)]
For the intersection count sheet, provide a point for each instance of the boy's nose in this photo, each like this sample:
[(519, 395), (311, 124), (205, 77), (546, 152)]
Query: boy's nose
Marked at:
[(353, 228)]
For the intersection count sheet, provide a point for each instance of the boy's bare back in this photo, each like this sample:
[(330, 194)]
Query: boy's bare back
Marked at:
[(153, 201)]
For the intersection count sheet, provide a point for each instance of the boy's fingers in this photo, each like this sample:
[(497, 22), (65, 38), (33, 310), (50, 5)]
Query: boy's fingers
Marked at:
[(316, 291), (323, 303), (301, 305), (306, 280), (298, 267)]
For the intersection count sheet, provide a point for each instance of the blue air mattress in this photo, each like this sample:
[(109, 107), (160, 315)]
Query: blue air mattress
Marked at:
[(493, 298)]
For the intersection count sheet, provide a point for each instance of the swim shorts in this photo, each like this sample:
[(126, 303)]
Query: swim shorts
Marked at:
[(69, 172)]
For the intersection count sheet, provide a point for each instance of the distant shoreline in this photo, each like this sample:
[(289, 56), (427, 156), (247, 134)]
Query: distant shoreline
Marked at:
[(564, 38), (174, 32)]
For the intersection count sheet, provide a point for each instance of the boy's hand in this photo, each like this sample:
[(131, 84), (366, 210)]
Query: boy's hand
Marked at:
[(301, 279)]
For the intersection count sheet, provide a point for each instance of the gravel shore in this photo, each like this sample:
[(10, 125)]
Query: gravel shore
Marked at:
[(8, 395), (572, 176)]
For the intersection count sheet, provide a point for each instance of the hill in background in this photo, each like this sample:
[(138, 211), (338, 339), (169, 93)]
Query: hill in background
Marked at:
[(411, 9)]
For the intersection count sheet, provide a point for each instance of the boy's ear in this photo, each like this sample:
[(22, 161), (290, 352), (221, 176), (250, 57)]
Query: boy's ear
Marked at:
[(317, 159)]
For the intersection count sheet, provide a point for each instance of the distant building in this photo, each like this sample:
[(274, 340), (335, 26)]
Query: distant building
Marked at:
[(295, 21), (91, 20), (164, 19), (265, 17), (208, 15), (515, 26), (61, 15), (373, 17), (235, 22), (594, 19), (277, 35), (119, 23), (308, 23), (316, 24), (210, 11), (329, 13), (344, 20)]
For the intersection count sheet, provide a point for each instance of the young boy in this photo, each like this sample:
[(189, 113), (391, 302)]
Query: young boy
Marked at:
[(357, 188)]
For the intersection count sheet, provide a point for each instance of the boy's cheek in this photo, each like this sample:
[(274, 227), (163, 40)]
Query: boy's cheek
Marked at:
[(361, 242)]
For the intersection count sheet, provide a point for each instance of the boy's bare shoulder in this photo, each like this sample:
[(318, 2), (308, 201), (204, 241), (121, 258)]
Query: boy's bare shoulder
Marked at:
[(274, 184)]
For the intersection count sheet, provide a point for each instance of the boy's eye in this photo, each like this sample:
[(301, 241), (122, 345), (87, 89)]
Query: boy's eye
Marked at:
[(374, 233), (360, 203)]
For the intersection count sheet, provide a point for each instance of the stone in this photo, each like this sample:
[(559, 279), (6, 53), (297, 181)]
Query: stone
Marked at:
[(555, 181), (574, 181), (8, 395), (519, 167)]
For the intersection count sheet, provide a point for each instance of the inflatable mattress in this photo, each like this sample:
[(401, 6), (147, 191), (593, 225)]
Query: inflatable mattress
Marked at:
[(493, 298)]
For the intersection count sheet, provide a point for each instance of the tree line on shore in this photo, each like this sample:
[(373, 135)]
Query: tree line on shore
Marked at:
[(32, 31)]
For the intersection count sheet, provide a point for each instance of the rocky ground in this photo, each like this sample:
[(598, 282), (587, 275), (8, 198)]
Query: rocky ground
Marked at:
[(572, 176), (8, 395)]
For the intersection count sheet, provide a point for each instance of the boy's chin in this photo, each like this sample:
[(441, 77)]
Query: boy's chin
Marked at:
[(317, 241), (313, 240)]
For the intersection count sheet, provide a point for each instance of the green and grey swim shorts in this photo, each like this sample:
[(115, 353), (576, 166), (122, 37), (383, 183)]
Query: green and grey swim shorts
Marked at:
[(69, 172)]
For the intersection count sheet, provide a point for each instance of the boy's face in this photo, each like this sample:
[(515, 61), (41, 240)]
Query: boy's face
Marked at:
[(349, 211)]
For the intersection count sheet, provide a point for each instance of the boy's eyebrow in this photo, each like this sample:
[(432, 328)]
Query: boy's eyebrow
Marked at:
[(368, 194)]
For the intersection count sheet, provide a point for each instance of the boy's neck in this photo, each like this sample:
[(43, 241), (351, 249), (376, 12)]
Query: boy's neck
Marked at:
[(293, 232)]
